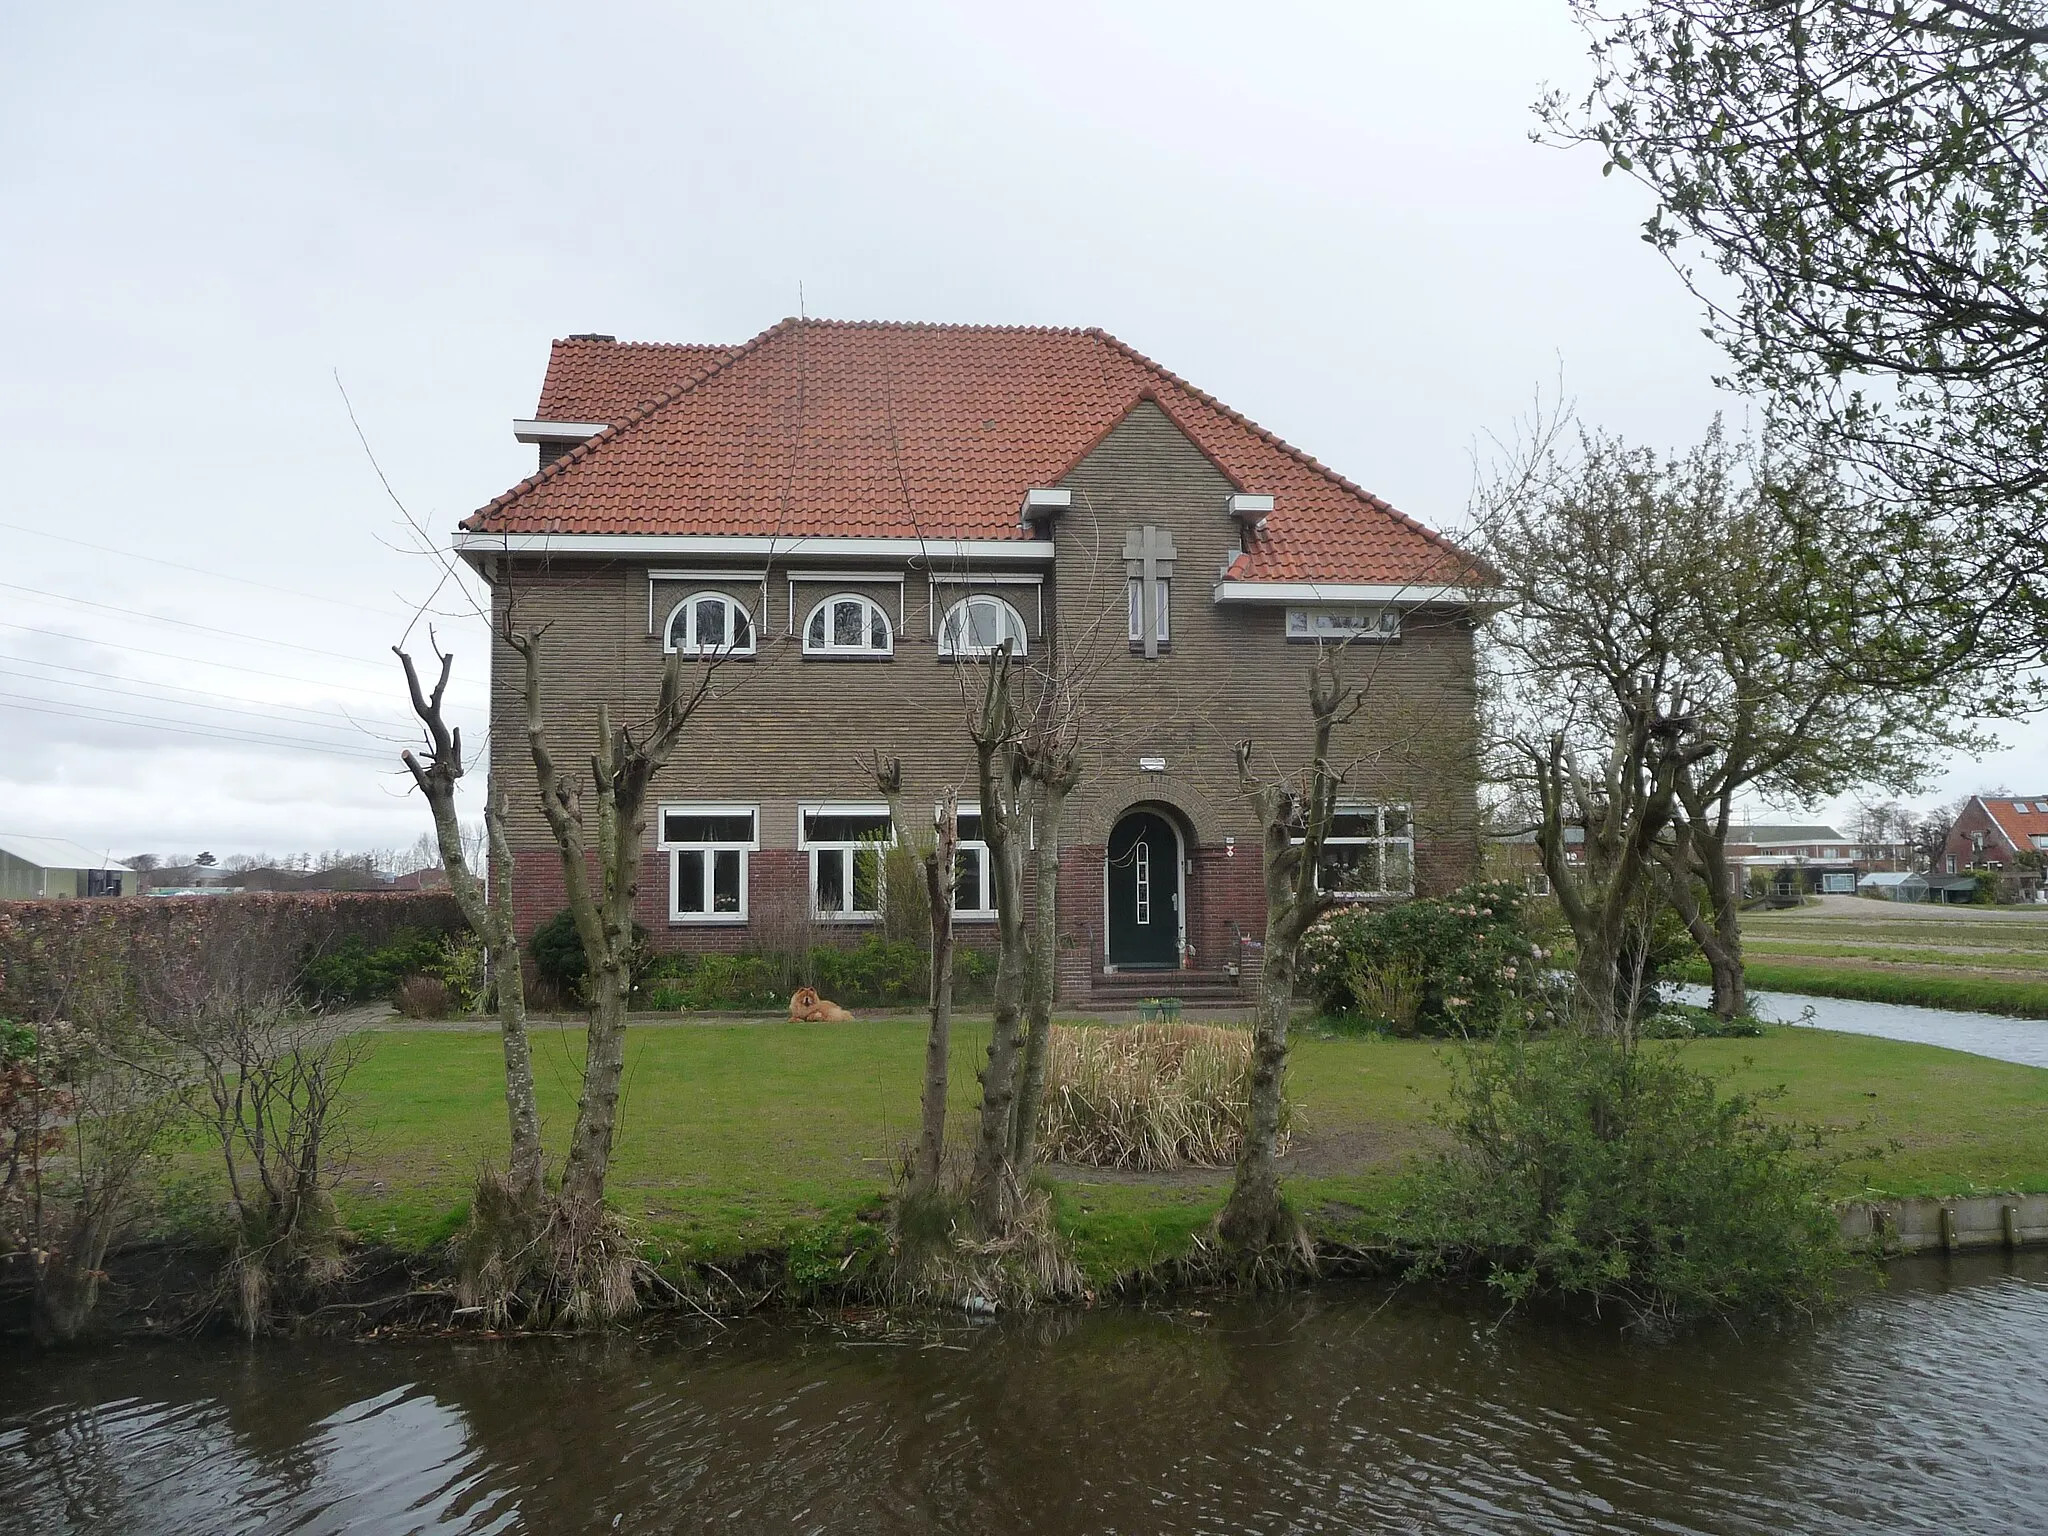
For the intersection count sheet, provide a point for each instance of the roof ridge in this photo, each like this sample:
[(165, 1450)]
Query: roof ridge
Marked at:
[(650, 346), (633, 418), (1273, 439)]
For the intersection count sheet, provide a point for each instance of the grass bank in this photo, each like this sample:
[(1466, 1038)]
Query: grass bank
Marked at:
[(738, 1138)]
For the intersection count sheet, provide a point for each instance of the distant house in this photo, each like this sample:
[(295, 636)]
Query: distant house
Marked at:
[(2005, 833), (1893, 885), (1797, 860), (35, 868)]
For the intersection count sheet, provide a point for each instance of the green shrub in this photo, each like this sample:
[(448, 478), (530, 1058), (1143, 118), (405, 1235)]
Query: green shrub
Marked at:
[(1462, 964), (877, 972), (1620, 1176), (557, 951), (354, 971)]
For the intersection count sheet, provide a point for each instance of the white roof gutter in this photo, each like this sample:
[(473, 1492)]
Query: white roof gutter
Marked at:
[(1348, 592), (474, 545)]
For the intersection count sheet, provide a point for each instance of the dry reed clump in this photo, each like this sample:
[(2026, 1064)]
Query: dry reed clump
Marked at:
[(936, 1259), (1147, 1096), (557, 1267)]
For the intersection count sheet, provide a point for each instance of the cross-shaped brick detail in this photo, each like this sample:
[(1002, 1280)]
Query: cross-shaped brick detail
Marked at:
[(1148, 558)]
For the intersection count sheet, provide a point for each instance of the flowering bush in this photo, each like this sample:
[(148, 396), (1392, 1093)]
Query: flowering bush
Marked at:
[(1460, 964)]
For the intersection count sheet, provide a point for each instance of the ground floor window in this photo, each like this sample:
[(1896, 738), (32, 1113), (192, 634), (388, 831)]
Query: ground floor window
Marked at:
[(974, 896), (1370, 851), (846, 843), (707, 847)]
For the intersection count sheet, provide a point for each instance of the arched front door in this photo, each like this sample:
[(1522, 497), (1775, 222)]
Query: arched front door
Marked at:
[(1144, 888)]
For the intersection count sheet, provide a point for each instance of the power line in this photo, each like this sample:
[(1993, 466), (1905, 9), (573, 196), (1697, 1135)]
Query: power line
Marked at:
[(115, 645), (352, 727), (195, 570), (232, 698), (207, 629), (157, 723)]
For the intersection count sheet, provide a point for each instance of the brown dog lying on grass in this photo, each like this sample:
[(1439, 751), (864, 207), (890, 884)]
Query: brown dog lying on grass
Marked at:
[(806, 1007)]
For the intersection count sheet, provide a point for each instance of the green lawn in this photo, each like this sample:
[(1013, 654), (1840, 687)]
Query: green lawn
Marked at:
[(734, 1137)]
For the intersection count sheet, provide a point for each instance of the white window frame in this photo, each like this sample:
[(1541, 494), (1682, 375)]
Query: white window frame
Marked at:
[(687, 610), (846, 852), (1383, 840), (872, 611), (986, 911), (675, 851), (1134, 601), (970, 651)]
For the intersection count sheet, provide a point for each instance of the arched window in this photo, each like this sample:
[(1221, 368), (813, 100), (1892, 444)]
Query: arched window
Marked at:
[(710, 624), (977, 625), (847, 624)]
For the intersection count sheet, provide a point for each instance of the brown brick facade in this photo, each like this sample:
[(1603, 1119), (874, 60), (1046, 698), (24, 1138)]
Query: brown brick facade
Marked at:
[(784, 730)]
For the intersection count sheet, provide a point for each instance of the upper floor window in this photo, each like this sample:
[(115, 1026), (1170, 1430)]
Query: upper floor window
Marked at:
[(978, 625), (1369, 850), (846, 844), (847, 624), (710, 624), (707, 848), (1163, 591)]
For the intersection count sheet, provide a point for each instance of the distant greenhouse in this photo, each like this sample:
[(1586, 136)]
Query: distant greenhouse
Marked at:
[(1893, 885)]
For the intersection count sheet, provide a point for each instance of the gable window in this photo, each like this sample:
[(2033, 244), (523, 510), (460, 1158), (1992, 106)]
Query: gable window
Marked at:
[(978, 625), (846, 843), (1136, 604), (710, 624), (707, 847), (847, 624), (974, 893), (1369, 851)]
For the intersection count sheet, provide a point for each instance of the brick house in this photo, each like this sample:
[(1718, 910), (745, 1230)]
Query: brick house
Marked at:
[(2004, 833), (851, 514)]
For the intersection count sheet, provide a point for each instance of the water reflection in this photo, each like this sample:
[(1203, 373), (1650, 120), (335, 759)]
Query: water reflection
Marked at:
[(1981, 1034), (1339, 1410)]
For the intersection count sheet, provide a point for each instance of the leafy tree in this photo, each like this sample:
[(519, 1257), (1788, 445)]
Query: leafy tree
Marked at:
[(1866, 180), (1656, 666)]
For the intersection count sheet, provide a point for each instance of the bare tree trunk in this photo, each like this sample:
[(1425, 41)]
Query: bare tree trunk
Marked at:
[(930, 1157), (508, 981), (1295, 822), (489, 915), (993, 1187), (1053, 788)]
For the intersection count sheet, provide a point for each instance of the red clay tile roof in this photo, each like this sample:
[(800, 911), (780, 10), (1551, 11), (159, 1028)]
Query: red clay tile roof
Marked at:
[(2020, 827), (590, 380), (852, 429)]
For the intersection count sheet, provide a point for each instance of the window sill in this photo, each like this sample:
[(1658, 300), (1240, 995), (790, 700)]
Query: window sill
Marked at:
[(849, 655), (853, 919), (1138, 648), (710, 655), (974, 917), (707, 920)]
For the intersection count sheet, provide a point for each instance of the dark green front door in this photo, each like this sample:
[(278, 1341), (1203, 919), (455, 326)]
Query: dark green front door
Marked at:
[(1144, 894)]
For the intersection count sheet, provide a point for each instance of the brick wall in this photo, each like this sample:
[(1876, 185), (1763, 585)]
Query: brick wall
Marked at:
[(782, 729)]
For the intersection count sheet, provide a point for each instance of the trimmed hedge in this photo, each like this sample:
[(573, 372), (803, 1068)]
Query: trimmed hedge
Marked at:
[(875, 973), (337, 945)]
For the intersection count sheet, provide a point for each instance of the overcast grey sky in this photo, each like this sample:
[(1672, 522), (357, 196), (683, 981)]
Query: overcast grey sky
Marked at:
[(1330, 216)]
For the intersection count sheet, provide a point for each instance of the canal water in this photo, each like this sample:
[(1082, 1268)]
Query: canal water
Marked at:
[(1923, 1407), (1981, 1034)]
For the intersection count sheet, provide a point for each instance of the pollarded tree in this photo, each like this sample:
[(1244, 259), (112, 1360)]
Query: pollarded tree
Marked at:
[(488, 913), (1867, 178), (1294, 812)]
